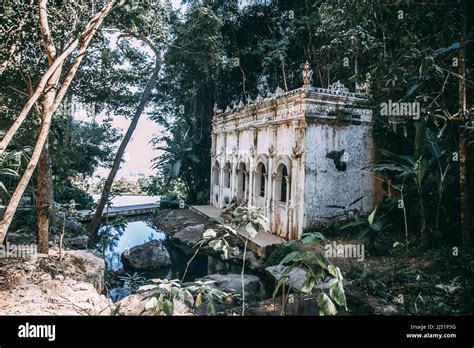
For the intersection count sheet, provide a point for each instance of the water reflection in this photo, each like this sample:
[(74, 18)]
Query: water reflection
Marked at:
[(123, 234), (117, 238)]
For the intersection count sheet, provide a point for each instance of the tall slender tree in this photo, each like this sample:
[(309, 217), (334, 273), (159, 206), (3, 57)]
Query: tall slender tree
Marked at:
[(146, 24), (82, 41)]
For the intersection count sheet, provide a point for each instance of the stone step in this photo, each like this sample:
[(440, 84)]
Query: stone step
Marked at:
[(258, 244)]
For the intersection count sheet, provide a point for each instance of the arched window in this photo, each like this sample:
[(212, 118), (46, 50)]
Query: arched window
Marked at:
[(241, 177), (216, 173), (282, 184), (227, 172), (260, 180)]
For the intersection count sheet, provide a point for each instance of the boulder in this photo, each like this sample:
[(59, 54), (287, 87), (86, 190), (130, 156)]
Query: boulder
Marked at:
[(79, 242), (151, 255), (89, 267), (74, 227), (47, 285), (139, 304), (251, 260), (190, 235), (232, 283), (54, 297)]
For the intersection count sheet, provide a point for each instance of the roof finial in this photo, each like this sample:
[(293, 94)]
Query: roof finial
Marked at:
[(307, 74)]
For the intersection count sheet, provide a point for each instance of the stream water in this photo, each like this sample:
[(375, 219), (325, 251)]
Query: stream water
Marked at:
[(133, 231), (139, 230)]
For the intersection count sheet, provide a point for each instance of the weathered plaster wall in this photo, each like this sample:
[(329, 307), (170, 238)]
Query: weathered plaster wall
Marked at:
[(326, 185)]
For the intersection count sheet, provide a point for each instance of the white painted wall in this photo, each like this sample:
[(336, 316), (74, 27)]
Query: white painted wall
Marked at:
[(324, 184)]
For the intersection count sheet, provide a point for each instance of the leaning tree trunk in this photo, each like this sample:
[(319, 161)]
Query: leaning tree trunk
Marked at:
[(463, 174), (94, 224), (86, 36)]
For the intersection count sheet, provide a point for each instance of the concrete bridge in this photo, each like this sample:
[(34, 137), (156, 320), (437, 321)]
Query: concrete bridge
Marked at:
[(127, 210)]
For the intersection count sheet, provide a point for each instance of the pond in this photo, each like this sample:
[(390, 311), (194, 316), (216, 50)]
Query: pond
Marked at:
[(116, 238)]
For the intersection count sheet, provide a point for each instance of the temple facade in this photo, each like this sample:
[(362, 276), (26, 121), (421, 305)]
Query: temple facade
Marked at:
[(296, 154)]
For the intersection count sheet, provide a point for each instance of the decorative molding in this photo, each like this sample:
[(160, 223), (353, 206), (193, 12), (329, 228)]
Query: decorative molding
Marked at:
[(296, 150), (337, 87), (253, 151), (271, 151)]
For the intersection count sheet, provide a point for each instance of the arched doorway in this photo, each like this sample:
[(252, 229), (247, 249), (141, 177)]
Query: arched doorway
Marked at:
[(260, 183), (227, 172), (282, 184), (216, 172), (281, 196), (242, 182)]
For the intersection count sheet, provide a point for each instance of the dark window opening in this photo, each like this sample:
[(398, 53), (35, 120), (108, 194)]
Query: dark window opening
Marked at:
[(284, 184)]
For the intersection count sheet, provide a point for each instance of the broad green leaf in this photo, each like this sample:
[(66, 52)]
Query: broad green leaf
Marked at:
[(198, 301), (216, 244), (292, 257), (188, 297), (371, 217), (211, 310), (326, 306), (312, 237), (335, 272), (321, 260), (168, 307), (283, 278), (308, 284), (336, 291)]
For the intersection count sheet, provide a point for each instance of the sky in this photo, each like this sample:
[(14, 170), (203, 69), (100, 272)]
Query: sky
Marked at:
[(139, 153)]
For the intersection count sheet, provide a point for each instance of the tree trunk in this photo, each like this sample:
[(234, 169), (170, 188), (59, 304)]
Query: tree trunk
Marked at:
[(45, 181), (463, 174), (46, 122), (44, 200), (94, 224)]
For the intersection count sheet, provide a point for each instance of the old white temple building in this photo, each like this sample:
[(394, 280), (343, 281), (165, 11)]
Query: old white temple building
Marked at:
[(295, 154)]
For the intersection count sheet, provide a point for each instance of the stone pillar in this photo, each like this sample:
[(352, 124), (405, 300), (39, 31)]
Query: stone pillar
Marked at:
[(251, 180), (213, 161), (211, 190), (221, 181), (233, 177), (297, 179), (269, 202)]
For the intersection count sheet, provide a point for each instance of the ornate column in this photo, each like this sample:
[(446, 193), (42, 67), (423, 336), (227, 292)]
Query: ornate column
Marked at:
[(269, 194), (233, 173), (221, 160), (297, 173), (251, 176), (213, 161)]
